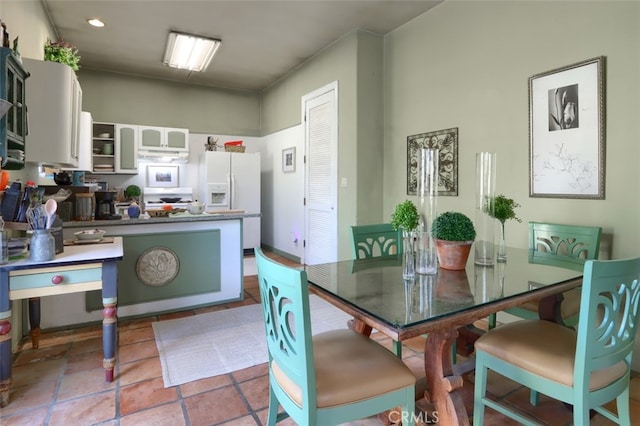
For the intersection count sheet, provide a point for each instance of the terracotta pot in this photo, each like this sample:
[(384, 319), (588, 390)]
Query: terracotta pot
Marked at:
[(453, 255)]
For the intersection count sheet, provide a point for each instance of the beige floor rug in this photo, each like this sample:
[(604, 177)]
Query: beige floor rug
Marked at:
[(215, 343)]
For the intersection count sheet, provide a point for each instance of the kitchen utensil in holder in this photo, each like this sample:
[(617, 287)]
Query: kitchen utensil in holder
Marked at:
[(42, 247)]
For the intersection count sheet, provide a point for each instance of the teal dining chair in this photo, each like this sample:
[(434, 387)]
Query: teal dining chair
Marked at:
[(586, 368), (333, 377), (376, 240), (564, 246)]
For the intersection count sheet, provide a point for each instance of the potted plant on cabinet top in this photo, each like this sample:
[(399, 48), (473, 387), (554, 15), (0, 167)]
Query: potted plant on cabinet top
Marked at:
[(454, 233), (405, 217), (62, 52)]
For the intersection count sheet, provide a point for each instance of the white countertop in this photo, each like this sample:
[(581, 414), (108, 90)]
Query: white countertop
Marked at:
[(76, 254)]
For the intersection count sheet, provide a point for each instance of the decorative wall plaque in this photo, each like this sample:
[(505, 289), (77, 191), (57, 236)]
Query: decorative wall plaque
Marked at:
[(157, 266), (446, 142)]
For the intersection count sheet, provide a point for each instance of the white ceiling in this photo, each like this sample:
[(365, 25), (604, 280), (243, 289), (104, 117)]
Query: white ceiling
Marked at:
[(261, 40)]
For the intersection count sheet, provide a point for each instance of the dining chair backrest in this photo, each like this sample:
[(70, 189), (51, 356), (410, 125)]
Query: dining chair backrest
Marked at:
[(608, 325), (376, 240), (284, 294), (565, 246)]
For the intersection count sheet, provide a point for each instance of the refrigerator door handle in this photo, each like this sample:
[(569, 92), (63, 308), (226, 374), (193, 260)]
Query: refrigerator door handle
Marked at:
[(233, 192), (229, 191)]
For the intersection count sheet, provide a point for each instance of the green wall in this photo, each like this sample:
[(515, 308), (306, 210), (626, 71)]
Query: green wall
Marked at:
[(466, 64), (127, 99), (281, 108), (355, 62)]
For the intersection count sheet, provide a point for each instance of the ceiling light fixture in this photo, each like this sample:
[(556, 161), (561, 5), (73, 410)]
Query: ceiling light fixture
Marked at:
[(95, 22), (187, 51)]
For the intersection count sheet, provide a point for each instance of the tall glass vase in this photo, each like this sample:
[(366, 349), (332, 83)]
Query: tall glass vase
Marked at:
[(408, 255), (427, 191), (485, 222), (502, 247)]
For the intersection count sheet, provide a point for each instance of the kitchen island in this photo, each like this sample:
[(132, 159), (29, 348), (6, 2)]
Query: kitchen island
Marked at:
[(170, 263)]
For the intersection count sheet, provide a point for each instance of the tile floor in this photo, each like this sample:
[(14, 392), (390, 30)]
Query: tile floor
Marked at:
[(62, 383)]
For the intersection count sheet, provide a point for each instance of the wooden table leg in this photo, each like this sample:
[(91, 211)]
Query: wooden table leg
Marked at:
[(34, 321), (359, 327), (443, 385)]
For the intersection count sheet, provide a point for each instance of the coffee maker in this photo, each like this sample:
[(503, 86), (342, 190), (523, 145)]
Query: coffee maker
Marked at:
[(105, 205)]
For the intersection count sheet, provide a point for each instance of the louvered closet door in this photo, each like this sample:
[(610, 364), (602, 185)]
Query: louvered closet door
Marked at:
[(321, 209)]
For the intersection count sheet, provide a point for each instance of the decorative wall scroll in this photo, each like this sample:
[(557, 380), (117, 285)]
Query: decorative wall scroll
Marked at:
[(567, 131), (446, 142)]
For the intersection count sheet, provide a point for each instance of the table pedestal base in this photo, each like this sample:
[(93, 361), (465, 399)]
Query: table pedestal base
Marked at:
[(443, 385)]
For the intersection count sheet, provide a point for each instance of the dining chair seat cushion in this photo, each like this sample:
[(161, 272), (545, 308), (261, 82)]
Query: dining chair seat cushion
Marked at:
[(543, 348), (342, 358)]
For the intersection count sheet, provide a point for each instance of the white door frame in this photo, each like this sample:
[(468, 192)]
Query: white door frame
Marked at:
[(323, 95)]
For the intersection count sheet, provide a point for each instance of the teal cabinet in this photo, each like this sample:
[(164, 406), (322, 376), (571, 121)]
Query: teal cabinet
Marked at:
[(13, 126)]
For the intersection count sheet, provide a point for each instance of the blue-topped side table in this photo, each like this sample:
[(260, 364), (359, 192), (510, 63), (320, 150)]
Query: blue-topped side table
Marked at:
[(78, 269)]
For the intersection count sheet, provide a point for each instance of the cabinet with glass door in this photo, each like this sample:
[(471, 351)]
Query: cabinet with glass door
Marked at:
[(13, 126), (126, 139), (164, 139)]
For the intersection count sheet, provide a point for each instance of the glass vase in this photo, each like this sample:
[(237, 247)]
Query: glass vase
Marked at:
[(485, 222), (502, 247), (427, 191), (408, 256)]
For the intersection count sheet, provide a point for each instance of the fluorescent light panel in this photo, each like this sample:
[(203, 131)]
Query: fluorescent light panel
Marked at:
[(187, 51)]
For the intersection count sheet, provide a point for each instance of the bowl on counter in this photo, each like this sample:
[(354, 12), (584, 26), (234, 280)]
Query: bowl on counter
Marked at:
[(90, 234)]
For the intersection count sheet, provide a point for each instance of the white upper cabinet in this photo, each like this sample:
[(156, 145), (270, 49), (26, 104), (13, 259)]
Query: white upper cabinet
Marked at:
[(85, 143), (163, 139), (126, 154), (54, 98)]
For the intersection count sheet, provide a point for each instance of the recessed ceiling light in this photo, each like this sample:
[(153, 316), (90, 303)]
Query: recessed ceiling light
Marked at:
[(189, 51), (95, 22)]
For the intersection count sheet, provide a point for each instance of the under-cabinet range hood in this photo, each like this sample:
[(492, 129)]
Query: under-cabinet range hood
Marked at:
[(163, 156)]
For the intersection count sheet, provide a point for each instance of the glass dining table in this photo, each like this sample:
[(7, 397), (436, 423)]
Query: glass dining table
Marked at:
[(375, 294)]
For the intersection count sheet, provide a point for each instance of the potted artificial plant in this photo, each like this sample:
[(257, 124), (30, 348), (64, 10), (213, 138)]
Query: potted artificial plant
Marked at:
[(454, 233), (504, 209), (133, 192), (62, 52), (405, 217)]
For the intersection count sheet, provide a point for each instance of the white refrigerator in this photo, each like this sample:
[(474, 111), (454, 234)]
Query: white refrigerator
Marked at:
[(230, 181)]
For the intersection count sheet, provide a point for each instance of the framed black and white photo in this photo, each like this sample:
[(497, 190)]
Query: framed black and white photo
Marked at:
[(446, 142), (162, 176), (567, 131), (289, 159)]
